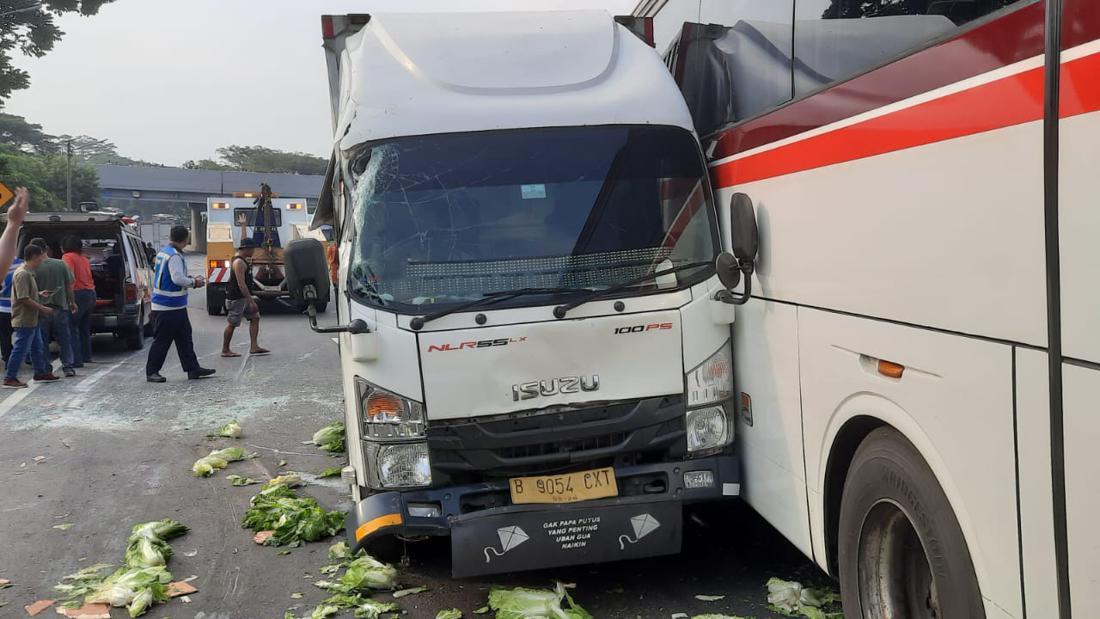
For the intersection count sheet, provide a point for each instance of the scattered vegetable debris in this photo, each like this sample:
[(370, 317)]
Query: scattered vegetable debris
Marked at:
[(293, 519), (794, 600), (139, 584), (410, 591), (219, 459), (330, 438), (523, 603), (230, 430), (64, 526), (710, 598), (450, 613), (237, 480), (332, 471)]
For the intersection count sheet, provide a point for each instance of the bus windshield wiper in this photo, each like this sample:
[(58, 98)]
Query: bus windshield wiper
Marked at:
[(561, 310), (489, 298)]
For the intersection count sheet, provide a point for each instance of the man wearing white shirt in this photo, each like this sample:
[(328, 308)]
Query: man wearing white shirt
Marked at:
[(170, 321)]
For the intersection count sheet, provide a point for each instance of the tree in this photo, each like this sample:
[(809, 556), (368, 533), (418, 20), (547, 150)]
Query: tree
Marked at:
[(28, 27), (16, 131), (44, 176), (261, 159)]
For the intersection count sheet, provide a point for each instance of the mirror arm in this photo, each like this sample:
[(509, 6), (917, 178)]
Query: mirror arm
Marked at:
[(728, 296), (354, 327)]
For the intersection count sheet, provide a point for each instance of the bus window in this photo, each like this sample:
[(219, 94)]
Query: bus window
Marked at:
[(742, 68), (838, 39)]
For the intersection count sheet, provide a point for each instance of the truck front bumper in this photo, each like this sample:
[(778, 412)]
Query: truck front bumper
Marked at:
[(524, 537)]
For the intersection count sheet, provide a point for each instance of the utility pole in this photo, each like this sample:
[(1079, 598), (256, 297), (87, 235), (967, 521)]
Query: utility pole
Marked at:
[(69, 175)]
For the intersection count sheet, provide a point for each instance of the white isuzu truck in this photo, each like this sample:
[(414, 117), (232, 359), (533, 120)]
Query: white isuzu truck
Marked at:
[(536, 306)]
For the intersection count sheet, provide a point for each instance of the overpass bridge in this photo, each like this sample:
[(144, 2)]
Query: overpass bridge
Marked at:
[(145, 189)]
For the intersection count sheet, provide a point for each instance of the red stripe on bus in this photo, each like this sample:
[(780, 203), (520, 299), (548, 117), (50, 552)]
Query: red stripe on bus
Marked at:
[(1015, 36), (1009, 101), (1080, 88)]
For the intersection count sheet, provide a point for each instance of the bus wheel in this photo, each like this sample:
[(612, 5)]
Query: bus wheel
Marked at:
[(901, 551)]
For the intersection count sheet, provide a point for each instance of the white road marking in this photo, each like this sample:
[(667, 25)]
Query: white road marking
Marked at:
[(7, 405)]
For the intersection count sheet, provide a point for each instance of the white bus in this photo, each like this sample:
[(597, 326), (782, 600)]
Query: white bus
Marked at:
[(919, 367)]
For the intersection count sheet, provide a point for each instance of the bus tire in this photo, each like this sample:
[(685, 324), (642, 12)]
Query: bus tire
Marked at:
[(901, 551)]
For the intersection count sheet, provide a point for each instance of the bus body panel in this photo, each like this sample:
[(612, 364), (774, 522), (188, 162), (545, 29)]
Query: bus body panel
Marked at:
[(953, 391), (1081, 393), (766, 363), (1040, 582), (1079, 229)]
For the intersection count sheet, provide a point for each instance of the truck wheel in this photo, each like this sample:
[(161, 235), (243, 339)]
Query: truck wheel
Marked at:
[(321, 307), (901, 551), (215, 300)]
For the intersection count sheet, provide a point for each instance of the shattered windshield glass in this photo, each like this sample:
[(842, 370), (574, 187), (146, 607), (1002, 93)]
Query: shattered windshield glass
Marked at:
[(445, 219)]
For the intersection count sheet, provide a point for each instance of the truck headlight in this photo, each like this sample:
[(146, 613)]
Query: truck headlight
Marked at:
[(712, 380), (385, 415), (707, 429), (398, 465)]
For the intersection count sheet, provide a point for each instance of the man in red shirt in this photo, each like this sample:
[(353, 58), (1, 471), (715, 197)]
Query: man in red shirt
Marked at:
[(84, 294)]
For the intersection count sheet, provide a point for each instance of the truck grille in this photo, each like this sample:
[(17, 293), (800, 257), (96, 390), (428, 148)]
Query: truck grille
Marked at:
[(559, 440)]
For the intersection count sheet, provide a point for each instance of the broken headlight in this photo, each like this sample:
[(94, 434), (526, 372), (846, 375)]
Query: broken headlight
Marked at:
[(387, 416)]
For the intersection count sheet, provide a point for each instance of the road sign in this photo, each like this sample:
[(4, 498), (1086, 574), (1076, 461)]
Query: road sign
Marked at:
[(5, 195)]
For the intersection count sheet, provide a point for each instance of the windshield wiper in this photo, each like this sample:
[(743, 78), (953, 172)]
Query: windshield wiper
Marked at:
[(561, 310), (489, 298)]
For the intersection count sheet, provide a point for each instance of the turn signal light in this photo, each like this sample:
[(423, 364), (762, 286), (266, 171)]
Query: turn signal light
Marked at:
[(383, 406), (890, 369)]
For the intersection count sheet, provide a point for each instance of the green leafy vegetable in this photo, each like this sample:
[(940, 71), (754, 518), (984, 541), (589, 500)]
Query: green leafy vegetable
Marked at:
[(339, 551), (332, 471), (237, 480), (330, 438), (294, 519), (365, 573), (230, 430), (482, 611), (450, 613), (792, 599), (523, 603), (217, 460)]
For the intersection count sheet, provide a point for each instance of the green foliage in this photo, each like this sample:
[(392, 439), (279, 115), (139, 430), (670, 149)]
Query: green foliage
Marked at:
[(30, 28), (260, 159), (44, 176)]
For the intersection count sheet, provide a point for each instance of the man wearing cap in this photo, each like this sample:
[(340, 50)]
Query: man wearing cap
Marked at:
[(240, 303)]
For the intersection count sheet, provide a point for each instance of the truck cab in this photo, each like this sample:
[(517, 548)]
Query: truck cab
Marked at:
[(536, 302)]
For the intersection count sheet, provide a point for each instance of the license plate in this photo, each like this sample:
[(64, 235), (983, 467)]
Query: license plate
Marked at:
[(567, 488)]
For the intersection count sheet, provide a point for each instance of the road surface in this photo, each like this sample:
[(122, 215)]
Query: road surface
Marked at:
[(105, 450)]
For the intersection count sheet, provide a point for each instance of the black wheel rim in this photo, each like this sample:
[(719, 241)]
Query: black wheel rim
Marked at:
[(895, 581)]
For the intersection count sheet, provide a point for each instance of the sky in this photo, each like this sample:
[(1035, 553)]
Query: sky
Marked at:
[(168, 81)]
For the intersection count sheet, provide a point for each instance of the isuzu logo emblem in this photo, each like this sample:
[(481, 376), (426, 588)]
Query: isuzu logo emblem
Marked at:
[(554, 386)]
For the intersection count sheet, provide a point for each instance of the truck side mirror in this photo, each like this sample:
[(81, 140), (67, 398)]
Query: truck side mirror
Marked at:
[(307, 271), (744, 238), (307, 280), (743, 230)]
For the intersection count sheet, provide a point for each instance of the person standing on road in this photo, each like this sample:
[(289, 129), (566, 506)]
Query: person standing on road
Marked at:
[(5, 310), (84, 296), (55, 281), (241, 303), (26, 311), (9, 261), (170, 320)]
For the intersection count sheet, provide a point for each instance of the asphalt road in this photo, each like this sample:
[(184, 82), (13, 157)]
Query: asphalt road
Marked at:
[(106, 450)]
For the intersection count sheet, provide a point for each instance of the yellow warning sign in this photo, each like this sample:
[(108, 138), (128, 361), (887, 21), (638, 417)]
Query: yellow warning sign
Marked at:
[(5, 195)]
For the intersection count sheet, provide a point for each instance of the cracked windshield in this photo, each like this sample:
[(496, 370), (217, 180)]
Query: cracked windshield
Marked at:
[(450, 218)]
